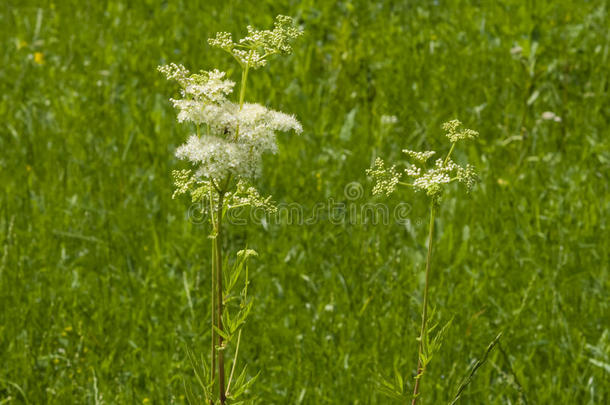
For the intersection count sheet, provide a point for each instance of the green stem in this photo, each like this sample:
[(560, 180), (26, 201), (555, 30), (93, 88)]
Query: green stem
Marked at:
[(213, 373), (220, 298), (242, 93), (424, 315), (449, 154), (244, 82)]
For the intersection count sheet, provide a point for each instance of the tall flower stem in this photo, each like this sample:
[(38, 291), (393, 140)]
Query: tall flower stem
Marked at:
[(424, 313), (219, 295), (214, 242), (244, 82), (214, 247), (449, 154), (242, 92)]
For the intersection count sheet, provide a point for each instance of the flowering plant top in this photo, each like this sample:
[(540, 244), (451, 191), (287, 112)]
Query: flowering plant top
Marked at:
[(232, 136), (424, 178)]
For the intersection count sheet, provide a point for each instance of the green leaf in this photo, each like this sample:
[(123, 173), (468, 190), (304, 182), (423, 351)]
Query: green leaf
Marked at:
[(222, 333)]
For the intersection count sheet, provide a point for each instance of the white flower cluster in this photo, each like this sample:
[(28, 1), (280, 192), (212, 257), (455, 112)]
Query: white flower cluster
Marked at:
[(419, 156), (413, 171), (456, 133), (467, 176), (253, 50), (174, 72), (236, 138), (432, 179), (184, 182), (235, 135), (205, 86), (386, 179), (245, 194), (202, 190), (429, 180)]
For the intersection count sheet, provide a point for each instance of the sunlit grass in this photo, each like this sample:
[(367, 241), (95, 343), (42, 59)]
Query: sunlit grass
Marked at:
[(93, 251)]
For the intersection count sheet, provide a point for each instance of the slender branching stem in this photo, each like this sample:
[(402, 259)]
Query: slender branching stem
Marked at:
[(424, 313)]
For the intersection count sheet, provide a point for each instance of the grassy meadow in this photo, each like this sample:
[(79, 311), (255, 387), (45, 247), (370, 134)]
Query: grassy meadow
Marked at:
[(104, 279)]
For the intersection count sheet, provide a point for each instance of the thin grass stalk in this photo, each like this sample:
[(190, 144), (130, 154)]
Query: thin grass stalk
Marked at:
[(474, 369)]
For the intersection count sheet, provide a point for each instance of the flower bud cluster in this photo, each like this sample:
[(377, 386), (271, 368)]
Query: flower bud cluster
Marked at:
[(419, 156), (429, 180), (386, 178), (252, 51), (455, 132)]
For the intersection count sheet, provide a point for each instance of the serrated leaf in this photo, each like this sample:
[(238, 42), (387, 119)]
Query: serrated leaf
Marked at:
[(241, 384)]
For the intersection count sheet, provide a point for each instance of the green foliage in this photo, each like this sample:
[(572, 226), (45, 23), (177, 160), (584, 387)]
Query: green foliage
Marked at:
[(95, 255), (231, 333)]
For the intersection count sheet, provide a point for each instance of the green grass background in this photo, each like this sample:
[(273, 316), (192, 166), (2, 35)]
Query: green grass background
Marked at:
[(94, 252)]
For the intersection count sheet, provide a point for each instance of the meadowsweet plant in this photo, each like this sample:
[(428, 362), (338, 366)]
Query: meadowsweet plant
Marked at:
[(432, 180), (225, 153)]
